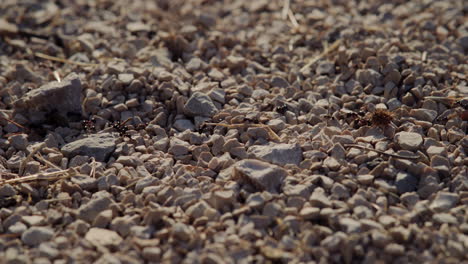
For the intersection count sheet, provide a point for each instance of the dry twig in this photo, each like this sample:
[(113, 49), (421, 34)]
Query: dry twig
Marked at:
[(382, 152)]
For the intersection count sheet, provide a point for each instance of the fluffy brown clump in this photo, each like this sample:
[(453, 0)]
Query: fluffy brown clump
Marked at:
[(381, 117)]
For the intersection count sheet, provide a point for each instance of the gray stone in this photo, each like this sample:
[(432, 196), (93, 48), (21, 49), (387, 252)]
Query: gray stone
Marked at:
[(182, 232), (130, 161), (100, 201), (63, 97), (280, 82), (19, 142), (409, 140), (200, 104), (17, 228), (350, 225), (424, 114), (23, 73), (262, 175), (46, 250), (195, 64), (151, 253), (280, 154), (36, 235), (319, 199), (325, 67), (7, 190), (435, 150), (463, 41), (103, 219), (103, 237), (406, 182), (444, 201), (99, 146), (184, 124), (368, 76), (145, 182), (443, 218), (122, 225)]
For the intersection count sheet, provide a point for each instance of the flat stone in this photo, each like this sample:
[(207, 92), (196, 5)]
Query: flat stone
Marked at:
[(444, 201), (262, 175), (409, 140), (151, 253), (145, 182), (99, 202), (184, 124), (280, 82), (309, 213), (99, 146), (103, 237), (434, 150), (444, 218), (36, 235), (7, 190), (131, 161), (200, 104), (423, 114), (280, 154), (63, 97)]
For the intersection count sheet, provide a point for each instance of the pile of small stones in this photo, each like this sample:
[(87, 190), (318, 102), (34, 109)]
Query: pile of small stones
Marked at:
[(193, 131)]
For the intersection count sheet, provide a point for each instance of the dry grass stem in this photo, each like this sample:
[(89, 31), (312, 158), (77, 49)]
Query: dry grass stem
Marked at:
[(48, 163), (415, 157), (44, 176), (284, 13), (62, 60), (331, 48)]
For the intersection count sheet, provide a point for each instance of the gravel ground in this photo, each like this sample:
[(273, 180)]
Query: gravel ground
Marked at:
[(206, 131)]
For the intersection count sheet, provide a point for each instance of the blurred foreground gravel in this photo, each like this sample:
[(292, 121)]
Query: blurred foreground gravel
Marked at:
[(205, 131)]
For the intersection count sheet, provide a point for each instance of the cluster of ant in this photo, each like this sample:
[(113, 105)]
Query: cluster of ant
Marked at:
[(121, 127)]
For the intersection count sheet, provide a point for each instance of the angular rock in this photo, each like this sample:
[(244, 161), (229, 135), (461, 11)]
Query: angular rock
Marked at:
[(36, 235), (406, 182), (280, 154), (368, 76), (63, 97), (444, 201), (409, 140), (325, 67), (319, 199), (103, 237), (200, 104), (99, 146), (7, 190), (100, 201), (19, 142), (423, 114), (262, 175)]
